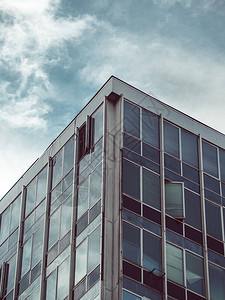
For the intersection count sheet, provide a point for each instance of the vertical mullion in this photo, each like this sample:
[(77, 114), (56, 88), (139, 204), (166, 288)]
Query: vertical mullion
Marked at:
[(163, 208), (204, 232)]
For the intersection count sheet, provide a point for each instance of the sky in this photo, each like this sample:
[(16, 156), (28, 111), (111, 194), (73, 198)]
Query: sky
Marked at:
[(56, 54)]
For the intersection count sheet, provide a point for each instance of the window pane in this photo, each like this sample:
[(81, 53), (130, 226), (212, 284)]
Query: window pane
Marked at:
[(192, 209), (174, 258), (82, 205), (51, 286), (63, 279), (66, 216), (57, 168), (151, 189), (15, 214), (54, 228), (209, 159), (174, 199), (11, 273), (131, 243), (171, 139), (131, 143), (41, 185), (98, 124), (30, 197), (26, 257), (195, 273), (4, 225), (94, 249), (222, 164), (130, 296), (81, 262), (151, 251), (216, 282), (131, 121), (131, 179), (37, 246), (189, 144), (68, 156), (150, 128), (96, 185), (213, 220), (211, 184)]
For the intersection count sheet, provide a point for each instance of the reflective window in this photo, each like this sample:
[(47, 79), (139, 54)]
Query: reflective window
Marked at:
[(151, 251), (94, 249), (211, 184), (209, 159), (151, 189), (81, 261), (213, 220), (175, 199), (195, 273), (130, 296), (131, 179), (192, 209), (98, 124), (174, 258), (216, 282), (131, 243), (150, 128), (131, 143), (131, 121), (189, 144), (222, 164), (83, 196), (171, 139), (96, 185)]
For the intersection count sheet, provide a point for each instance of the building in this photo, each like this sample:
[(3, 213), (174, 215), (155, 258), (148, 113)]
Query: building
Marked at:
[(127, 203)]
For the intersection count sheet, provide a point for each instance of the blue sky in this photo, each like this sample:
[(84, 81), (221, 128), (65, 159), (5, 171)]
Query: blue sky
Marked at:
[(55, 55)]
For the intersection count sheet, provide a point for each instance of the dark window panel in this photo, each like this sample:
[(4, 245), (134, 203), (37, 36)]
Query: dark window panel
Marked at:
[(131, 143), (171, 139), (210, 159), (93, 277), (23, 284), (131, 120), (191, 185), (80, 290), (212, 196), (151, 214), (150, 128), (131, 271), (151, 189), (215, 245), (129, 296), (131, 243), (193, 234), (223, 189), (172, 176), (216, 282), (192, 296), (150, 153), (64, 242), (189, 144), (222, 164), (131, 179), (190, 173), (211, 184), (151, 227), (174, 225), (175, 291), (174, 198), (95, 211), (213, 220), (172, 164), (216, 258), (53, 253), (150, 165), (35, 271), (152, 246), (192, 209), (131, 204), (152, 280)]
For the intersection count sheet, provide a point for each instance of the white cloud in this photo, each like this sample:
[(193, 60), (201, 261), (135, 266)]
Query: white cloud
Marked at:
[(28, 33)]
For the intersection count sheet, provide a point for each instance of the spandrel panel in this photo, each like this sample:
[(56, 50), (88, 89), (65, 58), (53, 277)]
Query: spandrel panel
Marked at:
[(41, 185), (216, 282), (150, 128), (174, 258), (68, 156), (96, 185), (98, 124), (151, 189), (131, 120), (94, 249), (213, 220), (171, 139), (152, 248), (189, 144), (210, 159), (131, 179), (54, 228), (83, 195), (81, 262), (63, 279), (195, 273), (66, 216)]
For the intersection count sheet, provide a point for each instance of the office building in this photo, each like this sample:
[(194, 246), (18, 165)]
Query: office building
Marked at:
[(127, 203)]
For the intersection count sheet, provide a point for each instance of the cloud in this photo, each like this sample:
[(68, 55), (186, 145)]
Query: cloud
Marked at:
[(32, 38)]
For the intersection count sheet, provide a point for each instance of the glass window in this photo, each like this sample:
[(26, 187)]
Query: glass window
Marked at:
[(216, 282), (174, 258), (81, 262), (195, 273), (15, 214), (192, 209), (30, 196), (51, 286), (222, 164), (68, 156), (212, 184), (175, 199), (152, 249), (54, 228), (41, 185), (96, 185), (131, 143), (210, 159), (83, 193), (150, 128), (26, 257), (94, 249), (189, 144), (213, 220), (171, 139), (98, 124), (57, 168), (130, 296), (66, 216), (63, 279), (151, 189), (11, 273), (131, 179), (131, 243), (131, 121), (37, 246)]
